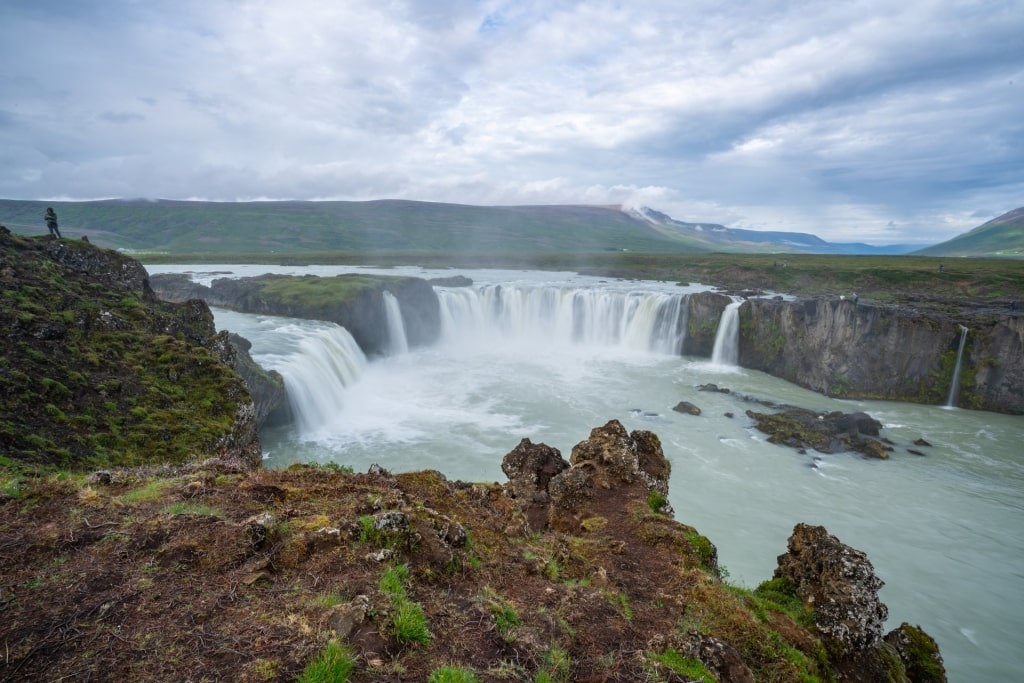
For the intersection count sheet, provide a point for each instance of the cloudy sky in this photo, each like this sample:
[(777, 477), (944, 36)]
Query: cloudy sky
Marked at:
[(862, 120)]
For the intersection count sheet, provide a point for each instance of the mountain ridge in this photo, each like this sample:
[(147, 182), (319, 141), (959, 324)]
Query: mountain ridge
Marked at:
[(302, 226), (309, 226)]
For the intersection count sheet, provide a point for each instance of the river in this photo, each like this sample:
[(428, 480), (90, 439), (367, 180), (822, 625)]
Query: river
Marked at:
[(549, 356)]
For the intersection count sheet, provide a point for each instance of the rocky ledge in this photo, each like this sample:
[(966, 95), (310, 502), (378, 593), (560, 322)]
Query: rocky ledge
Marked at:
[(570, 571)]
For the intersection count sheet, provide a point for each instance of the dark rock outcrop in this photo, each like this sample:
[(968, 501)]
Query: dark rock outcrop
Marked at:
[(839, 584), (611, 467), (265, 386), (686, 408), (530, 468), (824, 432)]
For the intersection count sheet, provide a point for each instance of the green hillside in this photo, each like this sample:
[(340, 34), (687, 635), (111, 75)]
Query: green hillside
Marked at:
[(1000, 237), (304, 227)]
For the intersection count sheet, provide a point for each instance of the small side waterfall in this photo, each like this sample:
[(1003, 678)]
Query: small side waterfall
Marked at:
[(397, 341), (727, 340), (954, 387)]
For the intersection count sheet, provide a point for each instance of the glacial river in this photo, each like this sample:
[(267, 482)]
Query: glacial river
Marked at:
[(549, 356)]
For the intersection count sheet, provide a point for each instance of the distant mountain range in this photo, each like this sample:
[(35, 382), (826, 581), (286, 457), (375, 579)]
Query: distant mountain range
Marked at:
[(185, 227), (720, 238)]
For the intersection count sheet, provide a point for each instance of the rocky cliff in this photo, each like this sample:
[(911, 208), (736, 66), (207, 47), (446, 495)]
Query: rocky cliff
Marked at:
[(356, 302), (845, 349), (97, 371)]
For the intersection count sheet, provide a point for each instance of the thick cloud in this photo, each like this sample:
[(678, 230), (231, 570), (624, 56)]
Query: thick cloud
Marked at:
[(859, 121)]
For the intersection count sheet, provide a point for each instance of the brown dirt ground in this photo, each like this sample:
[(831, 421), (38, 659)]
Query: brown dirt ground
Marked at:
[(162, 575)]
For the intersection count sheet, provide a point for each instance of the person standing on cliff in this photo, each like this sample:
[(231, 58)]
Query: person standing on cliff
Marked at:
[(51, 221)]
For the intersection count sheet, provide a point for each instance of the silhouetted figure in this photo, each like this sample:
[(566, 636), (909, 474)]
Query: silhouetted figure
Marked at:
[(941, 268), (51, 221)]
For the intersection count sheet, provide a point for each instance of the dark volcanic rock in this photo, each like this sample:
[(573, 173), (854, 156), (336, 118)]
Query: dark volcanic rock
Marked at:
[(687, 408), (530, 468), (266, 387), (824, 432), (610, 468), (839, 583)]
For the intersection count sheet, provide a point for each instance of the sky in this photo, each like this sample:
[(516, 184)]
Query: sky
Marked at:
[(859, 121)]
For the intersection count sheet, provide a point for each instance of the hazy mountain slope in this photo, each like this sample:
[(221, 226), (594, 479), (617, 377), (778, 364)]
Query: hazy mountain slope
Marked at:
[(1002, 236), (720, 238), (338, 226), (398, 225)]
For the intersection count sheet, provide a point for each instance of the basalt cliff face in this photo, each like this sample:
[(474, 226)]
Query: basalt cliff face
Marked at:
[(843, 349), (356, 302)]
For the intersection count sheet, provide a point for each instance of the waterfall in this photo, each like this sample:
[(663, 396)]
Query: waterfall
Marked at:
[(727, 340), (324, 362), (954, 387), (645, 321), (397, 341)]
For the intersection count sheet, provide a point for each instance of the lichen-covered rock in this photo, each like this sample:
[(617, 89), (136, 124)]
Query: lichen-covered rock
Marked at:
[(618, 458), (839, 583), (832, 432), (919, 653), (610, 468)]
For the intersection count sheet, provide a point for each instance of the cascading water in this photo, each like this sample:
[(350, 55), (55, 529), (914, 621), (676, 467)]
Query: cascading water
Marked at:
[(727, 340), (643, 321), (397, 341), (316, 374), (954, 387)]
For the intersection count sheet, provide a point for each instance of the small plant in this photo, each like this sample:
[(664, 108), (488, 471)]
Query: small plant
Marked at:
[(505, 617), (409, 623), (368, 531), (656, 501), (152, 491), (192, 509), (556, 667), (690, 669), (334, 664), (392, 583), (452, 674), (333, 467)]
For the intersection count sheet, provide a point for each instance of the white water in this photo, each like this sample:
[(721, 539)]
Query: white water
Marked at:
[(954, 387), (726, 350), (397, 341), (945, 531)]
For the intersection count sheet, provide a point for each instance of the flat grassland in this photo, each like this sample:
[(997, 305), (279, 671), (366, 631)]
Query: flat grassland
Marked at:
[(961, 285)]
